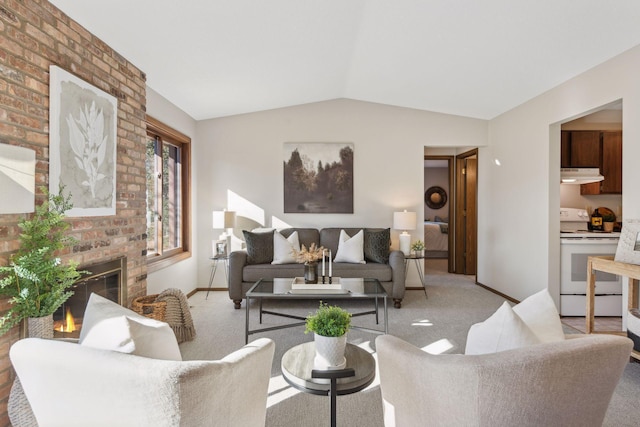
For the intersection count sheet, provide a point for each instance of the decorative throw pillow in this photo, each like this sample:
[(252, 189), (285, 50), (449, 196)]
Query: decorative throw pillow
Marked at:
[(376, 245), (350, 249), (504, 330), (259, 247), (539, 312), (109, 326), (284, 249)]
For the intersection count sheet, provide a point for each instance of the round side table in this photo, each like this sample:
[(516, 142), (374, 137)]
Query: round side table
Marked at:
[(297, 370)]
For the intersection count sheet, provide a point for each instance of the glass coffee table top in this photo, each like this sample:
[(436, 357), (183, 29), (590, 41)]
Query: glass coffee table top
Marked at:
[(349, 287)]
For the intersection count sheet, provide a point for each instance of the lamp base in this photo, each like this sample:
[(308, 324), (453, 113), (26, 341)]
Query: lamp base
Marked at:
[(405, 243)]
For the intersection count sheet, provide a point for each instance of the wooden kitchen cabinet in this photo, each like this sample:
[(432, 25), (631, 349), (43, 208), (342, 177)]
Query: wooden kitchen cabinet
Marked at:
[(591, 149), (610, 166)]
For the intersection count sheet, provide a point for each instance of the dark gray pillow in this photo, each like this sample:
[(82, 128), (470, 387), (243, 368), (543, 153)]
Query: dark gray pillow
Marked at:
[(376, 245), (259, 247)]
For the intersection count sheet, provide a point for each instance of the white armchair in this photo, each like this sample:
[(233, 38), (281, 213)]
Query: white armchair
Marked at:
[(564, 383), (71, 385)]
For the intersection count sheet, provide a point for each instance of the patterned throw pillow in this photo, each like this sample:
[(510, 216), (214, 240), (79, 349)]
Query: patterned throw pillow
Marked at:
[(376, 245), (259, 247)]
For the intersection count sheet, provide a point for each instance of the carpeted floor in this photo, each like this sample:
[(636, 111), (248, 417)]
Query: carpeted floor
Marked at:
[(438, 323)]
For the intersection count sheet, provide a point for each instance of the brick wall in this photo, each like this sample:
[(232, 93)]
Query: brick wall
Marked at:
[(33, 35)]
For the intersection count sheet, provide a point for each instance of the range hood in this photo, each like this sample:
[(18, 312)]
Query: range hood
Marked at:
[(580, 175)]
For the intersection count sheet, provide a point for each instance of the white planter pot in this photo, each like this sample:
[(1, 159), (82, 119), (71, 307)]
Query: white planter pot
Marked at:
[(330, 352)]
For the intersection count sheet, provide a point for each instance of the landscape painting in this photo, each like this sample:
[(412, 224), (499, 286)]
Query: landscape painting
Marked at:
[(83, 144), (318, 178)]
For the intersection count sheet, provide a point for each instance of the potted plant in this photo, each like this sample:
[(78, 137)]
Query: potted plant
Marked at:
[(310, 259), (36, 280), (330, 325), (418, 248), (608, 221)]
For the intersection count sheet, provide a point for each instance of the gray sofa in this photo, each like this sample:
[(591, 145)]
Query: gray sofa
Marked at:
[(243, 274)]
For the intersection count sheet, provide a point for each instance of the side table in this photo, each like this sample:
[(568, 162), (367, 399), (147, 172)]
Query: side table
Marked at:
[(214, 267), (297, 370), (418, 260)]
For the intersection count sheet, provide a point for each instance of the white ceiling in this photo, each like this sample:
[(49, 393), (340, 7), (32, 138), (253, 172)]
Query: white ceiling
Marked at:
[(476, 58)]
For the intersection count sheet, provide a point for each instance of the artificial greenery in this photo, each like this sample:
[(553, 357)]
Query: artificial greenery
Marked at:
[(418, 245), (608, 218), (36, 280), (328, 321)]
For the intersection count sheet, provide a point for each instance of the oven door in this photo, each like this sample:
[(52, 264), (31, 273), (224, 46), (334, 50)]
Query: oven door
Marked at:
[(574, 253)]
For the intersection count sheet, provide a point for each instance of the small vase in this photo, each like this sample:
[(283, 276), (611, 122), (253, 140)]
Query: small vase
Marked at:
[(310, 272), (330, 352)]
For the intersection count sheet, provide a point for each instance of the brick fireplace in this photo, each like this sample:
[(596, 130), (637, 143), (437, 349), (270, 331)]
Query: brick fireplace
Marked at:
[(34, 34), (107, 279)]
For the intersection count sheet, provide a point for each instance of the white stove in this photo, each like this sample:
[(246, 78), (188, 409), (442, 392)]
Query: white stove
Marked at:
[(577, 243)]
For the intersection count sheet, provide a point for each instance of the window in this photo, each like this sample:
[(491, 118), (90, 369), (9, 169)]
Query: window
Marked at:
[(168, 195)]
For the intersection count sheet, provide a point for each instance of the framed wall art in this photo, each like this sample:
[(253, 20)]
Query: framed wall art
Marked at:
[(318, 177), (17, 179), (82, 144), (629, 244)]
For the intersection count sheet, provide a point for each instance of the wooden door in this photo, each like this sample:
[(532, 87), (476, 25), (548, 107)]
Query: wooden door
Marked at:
[(466, 213)]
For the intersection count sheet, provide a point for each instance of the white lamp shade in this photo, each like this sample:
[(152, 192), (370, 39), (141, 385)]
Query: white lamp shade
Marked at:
[(405, 220), (223, 220)]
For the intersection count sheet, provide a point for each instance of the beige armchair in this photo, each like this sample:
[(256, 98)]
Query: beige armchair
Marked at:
[(71, 385), (565, 383)]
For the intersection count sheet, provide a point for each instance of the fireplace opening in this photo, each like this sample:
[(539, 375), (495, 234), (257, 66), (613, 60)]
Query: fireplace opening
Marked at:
[(107, 279)]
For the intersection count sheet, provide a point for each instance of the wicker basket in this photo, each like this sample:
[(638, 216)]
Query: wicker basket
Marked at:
[(148, 307)]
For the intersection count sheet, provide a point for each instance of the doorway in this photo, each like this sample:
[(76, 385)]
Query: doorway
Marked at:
[(451, 176)]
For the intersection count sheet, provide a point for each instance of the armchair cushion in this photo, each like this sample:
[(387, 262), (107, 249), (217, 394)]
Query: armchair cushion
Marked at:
[(539, 312), (504, 330), (109, 326)]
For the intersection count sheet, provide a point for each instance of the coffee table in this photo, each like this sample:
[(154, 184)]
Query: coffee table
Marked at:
[(297, 370), (281, 289)]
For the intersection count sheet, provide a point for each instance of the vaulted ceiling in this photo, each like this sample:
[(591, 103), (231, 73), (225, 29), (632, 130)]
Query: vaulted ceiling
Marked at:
[(476, 58)]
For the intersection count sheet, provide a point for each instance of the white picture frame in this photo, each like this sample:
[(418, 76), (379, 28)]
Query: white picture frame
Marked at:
[(629, 244), (17, 179), (82, 144)]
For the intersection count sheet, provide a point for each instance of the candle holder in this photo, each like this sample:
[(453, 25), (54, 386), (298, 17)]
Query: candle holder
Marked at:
[(323, 282)]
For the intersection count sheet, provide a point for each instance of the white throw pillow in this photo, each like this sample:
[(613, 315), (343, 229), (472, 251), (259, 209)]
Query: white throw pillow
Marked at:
[(109, 326), (350, 249), (284, 249), (504, 330), (539, 312)]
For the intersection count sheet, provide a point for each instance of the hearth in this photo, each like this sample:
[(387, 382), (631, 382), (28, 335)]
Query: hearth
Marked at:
[(107, 279)]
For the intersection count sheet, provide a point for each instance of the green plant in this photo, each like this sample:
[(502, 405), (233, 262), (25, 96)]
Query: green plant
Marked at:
[(328, 321), (36, 281), (418, 245), (609, 218)]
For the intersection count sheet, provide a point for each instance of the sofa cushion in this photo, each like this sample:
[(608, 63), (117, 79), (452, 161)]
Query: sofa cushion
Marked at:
[(259, 247), (504, 330), (109, 326), (350, 249), (376, 245), (285, 248)]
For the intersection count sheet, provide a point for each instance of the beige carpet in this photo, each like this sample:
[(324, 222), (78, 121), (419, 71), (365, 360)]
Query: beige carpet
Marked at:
[(454, 303)]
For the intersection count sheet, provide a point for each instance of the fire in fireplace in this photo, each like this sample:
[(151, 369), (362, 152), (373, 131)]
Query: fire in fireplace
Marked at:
[(107, 279)]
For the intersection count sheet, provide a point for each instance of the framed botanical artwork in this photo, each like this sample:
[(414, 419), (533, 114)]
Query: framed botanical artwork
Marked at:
[(82, 144), (629, 244), (318, 177)]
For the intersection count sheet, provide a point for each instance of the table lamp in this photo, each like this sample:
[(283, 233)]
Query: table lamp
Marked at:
[(224, 220), (405, 221)]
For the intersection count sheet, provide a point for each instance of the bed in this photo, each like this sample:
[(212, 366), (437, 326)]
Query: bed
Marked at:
[(436, 239)]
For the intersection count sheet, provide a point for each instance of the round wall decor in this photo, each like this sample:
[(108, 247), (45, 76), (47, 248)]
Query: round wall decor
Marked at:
[(435, 197)]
